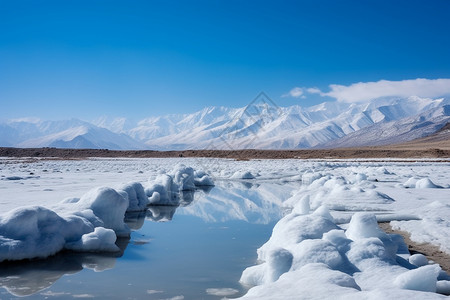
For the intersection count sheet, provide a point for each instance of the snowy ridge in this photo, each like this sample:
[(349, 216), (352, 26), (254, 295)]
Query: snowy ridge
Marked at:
[(403, 130), (84, 137), (258, 125), (72, 133)]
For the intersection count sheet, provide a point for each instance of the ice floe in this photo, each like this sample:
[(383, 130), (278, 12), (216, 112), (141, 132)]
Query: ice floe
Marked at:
[(165, 189)]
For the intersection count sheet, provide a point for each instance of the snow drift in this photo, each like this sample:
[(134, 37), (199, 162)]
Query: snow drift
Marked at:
[(310, 255)]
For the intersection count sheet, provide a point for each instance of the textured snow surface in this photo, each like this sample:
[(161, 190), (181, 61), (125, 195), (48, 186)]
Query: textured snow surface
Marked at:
[(327, 243), (361, 262)]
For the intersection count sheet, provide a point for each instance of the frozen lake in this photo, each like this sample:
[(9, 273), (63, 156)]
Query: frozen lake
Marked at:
[(293, 227)]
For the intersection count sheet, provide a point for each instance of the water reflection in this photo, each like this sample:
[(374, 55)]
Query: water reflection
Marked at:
[(230, 203), (135, 220), (27, 277), (161, 213), (255, 203)]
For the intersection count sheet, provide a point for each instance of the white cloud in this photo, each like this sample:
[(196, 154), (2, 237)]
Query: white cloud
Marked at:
[(314, 90), (296, 92), (364, 91)]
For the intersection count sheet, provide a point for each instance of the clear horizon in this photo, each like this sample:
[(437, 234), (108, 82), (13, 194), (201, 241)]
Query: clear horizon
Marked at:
[(88, 59)]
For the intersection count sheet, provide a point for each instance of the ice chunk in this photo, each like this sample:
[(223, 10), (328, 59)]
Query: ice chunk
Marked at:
[(242, 175), (205, 180), (426, 183), (418, 260), (37, 232), (170, 187), (421, 279), (316, 251), (108, 206), (323, 211), (362, 251), (155, 197), (137, 199), (364, 225), (310, 177), (163, 186), (292, 229), (338, 238), (410, 183), (313, 281), (184, 178), (100, 240), (384, 171), (302, 207), (278, 262), (443, 287), (358, 178), (254, 275)]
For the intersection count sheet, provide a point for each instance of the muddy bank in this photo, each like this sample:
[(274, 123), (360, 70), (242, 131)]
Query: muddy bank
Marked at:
[(430, 251), (344, 153)]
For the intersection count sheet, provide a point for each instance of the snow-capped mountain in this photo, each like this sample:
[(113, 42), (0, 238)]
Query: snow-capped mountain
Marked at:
[(271, 127), (392, 132), (260, 124), (72, 133)]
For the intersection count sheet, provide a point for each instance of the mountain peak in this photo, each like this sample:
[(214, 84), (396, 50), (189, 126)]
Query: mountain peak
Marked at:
[(260, 124)]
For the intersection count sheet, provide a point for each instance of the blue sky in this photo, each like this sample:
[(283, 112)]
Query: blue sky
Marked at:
[(85, 59)]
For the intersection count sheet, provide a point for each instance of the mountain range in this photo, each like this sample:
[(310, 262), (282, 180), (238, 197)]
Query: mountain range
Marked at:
[(259, 125)]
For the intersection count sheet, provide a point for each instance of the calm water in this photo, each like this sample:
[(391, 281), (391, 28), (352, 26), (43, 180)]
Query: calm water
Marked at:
[(173, 251)]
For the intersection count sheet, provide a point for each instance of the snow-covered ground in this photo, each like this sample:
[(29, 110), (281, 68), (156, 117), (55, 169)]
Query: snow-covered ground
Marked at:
[(329, 242)]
